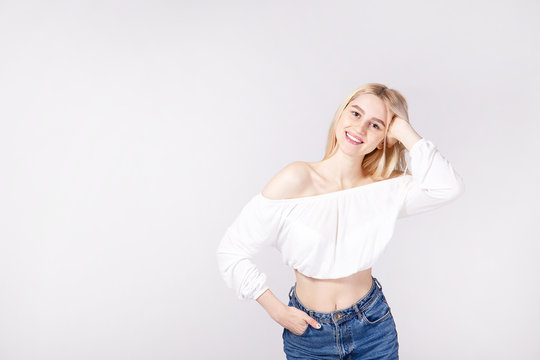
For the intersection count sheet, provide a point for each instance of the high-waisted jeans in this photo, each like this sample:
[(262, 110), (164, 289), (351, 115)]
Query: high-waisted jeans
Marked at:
[(366, 330)]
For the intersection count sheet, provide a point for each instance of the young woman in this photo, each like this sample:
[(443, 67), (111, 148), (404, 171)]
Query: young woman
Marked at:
[(331, 220)]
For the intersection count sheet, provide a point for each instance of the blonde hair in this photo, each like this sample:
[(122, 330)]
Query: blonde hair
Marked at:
[(382, 163)]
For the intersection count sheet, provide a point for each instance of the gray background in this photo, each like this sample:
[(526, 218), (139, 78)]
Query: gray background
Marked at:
[(134, 131)]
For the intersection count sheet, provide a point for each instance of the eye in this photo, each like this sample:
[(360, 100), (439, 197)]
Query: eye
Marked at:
[(356, 113)]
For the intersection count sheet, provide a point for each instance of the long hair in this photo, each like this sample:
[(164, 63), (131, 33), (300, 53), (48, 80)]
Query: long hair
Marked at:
[(382, 163)]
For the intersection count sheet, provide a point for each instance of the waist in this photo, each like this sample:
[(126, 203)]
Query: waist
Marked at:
[(328, 295), (341, 314)]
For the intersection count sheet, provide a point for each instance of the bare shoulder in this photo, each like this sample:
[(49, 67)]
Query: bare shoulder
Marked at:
[(289, 181)]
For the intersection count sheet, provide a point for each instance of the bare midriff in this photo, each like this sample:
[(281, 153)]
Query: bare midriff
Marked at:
[(327, 295)]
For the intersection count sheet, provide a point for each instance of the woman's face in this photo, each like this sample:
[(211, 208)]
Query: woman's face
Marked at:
[(365, 119)]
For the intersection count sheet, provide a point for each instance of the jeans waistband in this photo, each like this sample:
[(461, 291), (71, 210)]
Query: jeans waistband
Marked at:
[(340, 315)]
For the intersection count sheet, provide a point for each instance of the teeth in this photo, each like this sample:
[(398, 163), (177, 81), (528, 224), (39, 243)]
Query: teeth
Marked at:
[(353, 138)]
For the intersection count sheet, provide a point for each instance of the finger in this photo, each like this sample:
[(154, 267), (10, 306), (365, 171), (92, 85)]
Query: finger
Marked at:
[(311, 321)]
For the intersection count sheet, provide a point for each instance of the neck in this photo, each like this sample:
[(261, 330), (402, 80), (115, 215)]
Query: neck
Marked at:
[(345, 170)]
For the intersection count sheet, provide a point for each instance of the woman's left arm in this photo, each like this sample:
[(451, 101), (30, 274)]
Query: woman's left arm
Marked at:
[(434, 181)]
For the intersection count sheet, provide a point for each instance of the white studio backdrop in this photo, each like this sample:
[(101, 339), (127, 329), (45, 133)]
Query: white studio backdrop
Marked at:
[(134, 131)]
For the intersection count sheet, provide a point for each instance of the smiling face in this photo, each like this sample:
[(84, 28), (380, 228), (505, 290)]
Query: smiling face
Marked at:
[(363, 120)]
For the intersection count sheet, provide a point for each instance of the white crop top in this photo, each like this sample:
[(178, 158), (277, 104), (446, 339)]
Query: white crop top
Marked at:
[(336, 234)]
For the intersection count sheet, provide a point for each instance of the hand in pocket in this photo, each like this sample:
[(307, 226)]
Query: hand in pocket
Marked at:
[(296, 320)]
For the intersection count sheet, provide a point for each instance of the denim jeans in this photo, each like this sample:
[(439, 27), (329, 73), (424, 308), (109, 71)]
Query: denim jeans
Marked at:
[(366, 330)]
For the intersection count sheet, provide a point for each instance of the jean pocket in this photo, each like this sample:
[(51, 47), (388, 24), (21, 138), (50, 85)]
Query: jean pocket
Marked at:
[(377, 311), (303, 333)]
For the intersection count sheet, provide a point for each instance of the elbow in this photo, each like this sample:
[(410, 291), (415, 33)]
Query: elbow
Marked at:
[(448, 193), (458, 189), (225, 256), (454, 188), (461, 186)]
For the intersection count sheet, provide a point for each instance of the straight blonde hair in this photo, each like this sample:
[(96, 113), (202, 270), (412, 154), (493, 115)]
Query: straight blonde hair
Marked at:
[(383, 163)]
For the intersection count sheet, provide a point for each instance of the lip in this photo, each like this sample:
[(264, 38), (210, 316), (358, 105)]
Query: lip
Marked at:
[(355, 135)]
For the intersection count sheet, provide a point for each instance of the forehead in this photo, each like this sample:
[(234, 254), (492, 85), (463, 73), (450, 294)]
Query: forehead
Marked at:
[(371, 104)]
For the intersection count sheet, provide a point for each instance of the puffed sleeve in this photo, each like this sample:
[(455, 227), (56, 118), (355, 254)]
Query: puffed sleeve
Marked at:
[(256, 226), (434, 182)]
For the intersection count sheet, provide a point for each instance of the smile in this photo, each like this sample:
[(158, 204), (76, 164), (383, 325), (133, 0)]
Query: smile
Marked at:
[(352, 139)]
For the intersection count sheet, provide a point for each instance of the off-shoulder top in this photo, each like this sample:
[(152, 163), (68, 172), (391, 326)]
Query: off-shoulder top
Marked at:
[(336, 234)]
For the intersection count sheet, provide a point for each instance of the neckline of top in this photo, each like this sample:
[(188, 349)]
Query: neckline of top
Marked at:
[(328, 194)]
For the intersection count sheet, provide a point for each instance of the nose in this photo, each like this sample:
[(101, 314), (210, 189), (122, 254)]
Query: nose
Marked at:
[(362, 127)]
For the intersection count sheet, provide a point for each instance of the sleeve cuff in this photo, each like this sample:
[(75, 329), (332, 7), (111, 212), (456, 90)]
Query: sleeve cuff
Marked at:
[(417, 145), (258, 293)]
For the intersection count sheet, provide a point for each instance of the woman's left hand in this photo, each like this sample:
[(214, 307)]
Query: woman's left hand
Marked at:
[(395, 123)]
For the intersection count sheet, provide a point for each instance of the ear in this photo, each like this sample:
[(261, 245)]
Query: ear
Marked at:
[(380, 145)]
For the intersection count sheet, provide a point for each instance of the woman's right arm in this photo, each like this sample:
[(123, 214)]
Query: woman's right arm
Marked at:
[(255, 227)]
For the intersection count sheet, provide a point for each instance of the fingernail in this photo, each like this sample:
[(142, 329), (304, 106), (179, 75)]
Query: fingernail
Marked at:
[(318, 326)]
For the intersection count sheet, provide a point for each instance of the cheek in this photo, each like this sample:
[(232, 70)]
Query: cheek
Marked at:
[(339, 129)]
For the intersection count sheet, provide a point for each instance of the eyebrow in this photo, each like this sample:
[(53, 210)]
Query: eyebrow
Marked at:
[(363, 112)]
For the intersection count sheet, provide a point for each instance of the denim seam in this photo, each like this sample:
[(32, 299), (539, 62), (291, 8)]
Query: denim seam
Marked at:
[(337, 339), (369, 303), (378, 320), (364, 308)]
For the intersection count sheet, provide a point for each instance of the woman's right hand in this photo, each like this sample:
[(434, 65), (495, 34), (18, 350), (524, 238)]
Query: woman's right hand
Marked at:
[(296, 320)]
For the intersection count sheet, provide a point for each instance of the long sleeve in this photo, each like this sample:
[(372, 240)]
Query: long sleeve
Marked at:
[(434, 181), (255, 227)]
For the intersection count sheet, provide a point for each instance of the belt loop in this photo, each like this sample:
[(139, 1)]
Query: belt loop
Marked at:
[(378, 283), (291, 291), (358, 312)]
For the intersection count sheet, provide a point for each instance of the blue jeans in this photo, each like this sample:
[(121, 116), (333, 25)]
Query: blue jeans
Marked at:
[(365, 330)]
